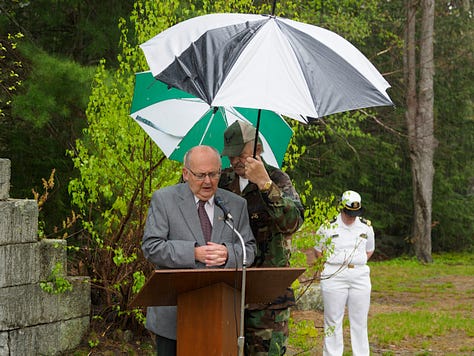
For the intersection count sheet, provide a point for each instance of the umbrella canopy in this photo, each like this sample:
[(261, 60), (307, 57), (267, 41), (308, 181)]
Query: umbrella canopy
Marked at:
[(176, 121), (260, 61)]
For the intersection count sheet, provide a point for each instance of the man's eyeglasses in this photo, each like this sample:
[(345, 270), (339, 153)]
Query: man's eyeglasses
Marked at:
[(202, 176)]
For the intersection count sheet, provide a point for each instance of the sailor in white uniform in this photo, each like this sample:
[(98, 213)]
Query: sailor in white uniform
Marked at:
[(348, 242)]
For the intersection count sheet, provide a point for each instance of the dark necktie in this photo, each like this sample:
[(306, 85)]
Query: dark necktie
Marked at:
[(205, 222)]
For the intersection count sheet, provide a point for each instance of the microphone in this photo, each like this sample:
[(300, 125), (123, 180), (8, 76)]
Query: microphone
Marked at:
[(220, 203)]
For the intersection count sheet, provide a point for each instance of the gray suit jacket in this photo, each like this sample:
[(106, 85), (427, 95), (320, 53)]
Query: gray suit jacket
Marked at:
[(172, 231)]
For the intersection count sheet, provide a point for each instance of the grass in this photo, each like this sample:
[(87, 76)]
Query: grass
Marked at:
[(416, 309), (391, 328), (440, 302)]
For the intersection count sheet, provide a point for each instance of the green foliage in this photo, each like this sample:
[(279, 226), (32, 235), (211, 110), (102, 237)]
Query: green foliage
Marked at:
[(83, 30), (54, 89), (453, 195), (352, 19), (318, 210), (93, 341), (120, 259), (46, 117), (344, 152), (56, 282), (303, 335), (139, 280), (10, 70), (119, 168)]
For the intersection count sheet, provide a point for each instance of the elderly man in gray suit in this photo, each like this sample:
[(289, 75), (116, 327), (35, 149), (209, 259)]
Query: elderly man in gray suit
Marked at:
[(174, 236)]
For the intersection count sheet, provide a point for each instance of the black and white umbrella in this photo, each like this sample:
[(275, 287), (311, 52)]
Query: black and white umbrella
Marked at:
[(266, 62)]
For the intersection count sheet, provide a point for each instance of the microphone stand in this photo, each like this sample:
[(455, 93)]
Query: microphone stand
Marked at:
[(241, 339)]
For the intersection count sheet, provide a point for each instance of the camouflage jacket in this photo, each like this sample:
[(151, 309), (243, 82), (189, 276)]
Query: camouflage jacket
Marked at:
[(274, 215)]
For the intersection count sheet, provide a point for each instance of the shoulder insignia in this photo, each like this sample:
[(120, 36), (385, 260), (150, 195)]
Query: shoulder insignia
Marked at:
[(365, 221)]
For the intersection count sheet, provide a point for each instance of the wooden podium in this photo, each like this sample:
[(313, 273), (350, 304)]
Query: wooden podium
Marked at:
[(208, 303)]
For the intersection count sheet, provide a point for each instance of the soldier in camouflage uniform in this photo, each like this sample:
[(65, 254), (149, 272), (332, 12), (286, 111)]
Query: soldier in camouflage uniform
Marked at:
[(275, 212)]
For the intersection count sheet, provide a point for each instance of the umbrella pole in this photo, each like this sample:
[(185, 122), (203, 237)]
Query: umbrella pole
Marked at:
[(273, 7), (256, 134)]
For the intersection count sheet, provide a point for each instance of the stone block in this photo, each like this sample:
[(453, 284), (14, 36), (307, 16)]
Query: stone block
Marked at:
[(30, 263), (4, 348), (28, 305), (19, 264), (311, 299), (52, 252), (6, 213), (5, 173), (18, 221), (48, 339), (25, 220)]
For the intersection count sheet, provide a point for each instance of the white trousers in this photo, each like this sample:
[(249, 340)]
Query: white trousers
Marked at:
[(351, 287)]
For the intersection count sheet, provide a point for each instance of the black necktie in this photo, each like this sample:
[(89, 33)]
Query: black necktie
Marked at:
[(205, 222)]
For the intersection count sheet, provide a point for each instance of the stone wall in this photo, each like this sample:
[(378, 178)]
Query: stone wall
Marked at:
[(32, 321)]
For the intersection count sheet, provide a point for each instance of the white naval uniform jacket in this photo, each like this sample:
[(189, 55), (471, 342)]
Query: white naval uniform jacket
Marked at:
[(350, 243)]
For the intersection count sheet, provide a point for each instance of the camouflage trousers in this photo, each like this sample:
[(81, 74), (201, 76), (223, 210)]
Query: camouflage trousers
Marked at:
[(266, 332)]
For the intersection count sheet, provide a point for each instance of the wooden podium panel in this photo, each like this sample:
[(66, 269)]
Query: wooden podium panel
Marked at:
[(209, 321), (263, 285)]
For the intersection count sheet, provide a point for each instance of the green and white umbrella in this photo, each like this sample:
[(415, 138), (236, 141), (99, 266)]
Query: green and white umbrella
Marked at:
[(177, 121)]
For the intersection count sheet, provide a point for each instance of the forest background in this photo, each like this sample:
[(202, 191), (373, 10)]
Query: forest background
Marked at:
[(66, 83)]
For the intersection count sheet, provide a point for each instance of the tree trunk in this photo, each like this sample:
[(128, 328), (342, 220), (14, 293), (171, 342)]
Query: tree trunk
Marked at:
[(420, 122)]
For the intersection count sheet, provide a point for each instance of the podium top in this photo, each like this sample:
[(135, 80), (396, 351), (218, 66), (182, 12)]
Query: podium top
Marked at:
[(263, 285)]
